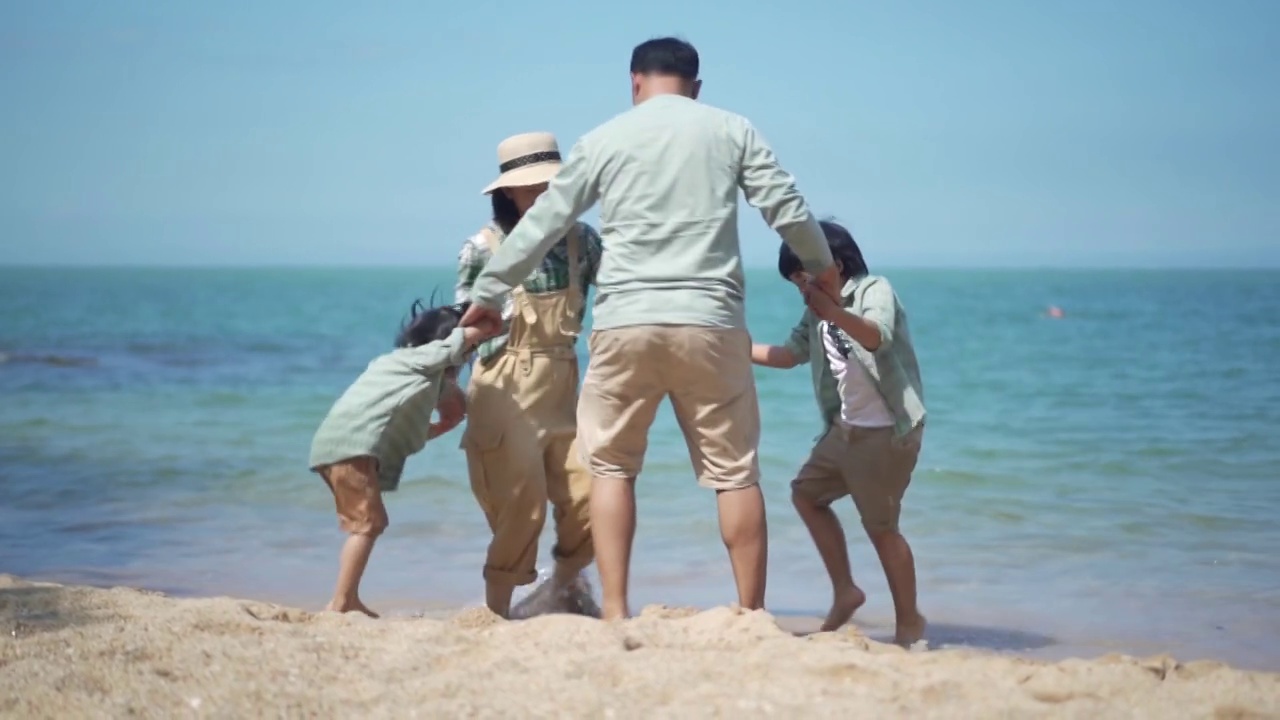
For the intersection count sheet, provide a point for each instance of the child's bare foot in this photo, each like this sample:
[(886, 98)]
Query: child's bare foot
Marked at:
[(846, 603), (909, 633), (346, 606)]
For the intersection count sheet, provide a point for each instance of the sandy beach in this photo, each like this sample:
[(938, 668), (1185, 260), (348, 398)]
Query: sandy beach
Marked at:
[(89, 652)]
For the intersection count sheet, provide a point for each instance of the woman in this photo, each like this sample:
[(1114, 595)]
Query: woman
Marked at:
[(522, 401)]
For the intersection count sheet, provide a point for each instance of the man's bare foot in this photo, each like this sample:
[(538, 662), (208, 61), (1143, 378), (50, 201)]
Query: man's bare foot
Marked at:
[(614, 612), (346, 606), (909, 633), (845, 605)]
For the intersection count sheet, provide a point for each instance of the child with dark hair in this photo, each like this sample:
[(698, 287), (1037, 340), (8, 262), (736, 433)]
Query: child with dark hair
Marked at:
[(382, 419), (867, 384)]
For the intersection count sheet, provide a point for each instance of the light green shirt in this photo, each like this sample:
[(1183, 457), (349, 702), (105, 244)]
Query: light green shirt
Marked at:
[(386, 413), (666, 174), (892, 368)]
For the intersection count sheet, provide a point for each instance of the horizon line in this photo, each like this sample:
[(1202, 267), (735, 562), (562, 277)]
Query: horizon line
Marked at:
[(746, 266)]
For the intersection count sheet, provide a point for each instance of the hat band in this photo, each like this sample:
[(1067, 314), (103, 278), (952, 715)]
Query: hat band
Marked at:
[(530, 159)]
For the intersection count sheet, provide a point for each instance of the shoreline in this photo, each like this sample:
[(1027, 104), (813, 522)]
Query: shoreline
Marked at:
[(1018, 629), (80, 651)]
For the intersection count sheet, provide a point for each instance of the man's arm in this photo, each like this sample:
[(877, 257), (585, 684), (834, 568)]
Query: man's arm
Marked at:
[(794, 352), (772, 191), (573, 190)]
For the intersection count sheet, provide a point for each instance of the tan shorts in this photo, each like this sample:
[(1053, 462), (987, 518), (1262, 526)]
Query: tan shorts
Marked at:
[(868, 463), (705, 371), (356, 495)]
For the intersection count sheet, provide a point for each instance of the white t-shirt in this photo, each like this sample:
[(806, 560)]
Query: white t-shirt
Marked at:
[(860, 401)]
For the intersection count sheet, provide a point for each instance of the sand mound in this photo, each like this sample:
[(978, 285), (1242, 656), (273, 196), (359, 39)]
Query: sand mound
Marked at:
[(81, 652)]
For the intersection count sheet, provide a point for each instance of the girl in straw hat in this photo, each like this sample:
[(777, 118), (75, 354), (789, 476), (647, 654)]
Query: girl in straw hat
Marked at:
[(520, 439)]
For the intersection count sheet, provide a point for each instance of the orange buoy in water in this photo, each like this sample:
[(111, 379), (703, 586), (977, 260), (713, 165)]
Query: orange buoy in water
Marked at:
[(1054, 312)]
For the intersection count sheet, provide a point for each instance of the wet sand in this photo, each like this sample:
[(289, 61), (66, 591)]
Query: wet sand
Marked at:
[(88, 652)]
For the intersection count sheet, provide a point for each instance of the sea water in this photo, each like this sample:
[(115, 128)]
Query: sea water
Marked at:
[(1107, 481)]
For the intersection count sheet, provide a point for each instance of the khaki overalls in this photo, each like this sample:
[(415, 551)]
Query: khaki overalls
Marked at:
[(520, 437)]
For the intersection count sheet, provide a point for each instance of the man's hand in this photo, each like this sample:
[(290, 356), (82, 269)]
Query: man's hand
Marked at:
[(486, 320), (829, 281), (452, 407), (821, 303), (831, 309)]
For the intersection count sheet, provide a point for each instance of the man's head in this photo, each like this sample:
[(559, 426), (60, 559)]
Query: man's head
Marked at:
[(664, 66)]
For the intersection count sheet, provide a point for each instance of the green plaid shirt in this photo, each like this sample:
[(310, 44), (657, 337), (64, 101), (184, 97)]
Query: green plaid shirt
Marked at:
[(551, 275)]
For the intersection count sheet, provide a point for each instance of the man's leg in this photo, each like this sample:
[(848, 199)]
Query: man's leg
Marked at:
[(878, 483), (713, 393), (616, 407), (744, 529), (613, 515)]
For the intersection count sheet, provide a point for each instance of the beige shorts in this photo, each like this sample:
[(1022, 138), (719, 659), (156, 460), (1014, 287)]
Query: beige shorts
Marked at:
[(705, 371), (356, 495), (869, 464)]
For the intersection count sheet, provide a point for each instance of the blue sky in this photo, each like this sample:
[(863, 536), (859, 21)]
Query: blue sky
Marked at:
[(989, 133)]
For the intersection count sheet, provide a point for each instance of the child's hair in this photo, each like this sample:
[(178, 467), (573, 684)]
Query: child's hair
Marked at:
[(427, 325), (843, 249)]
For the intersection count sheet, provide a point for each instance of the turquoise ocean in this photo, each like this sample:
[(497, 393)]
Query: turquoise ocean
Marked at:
[(1104, 482)]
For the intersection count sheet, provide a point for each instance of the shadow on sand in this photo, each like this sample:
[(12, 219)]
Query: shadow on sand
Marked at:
[(944, 635), (939, 635)]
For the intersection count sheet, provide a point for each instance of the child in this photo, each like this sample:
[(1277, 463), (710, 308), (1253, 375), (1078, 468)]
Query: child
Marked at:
[(867, 384), (382, 419)]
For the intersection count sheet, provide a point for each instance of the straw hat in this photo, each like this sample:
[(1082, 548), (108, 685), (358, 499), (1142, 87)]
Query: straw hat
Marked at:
[(526, 159)]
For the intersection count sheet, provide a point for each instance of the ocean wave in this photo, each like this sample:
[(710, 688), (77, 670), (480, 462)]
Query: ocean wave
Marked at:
[(7, 358)]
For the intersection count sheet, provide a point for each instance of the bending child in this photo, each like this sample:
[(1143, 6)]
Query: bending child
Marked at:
[(382, 419), (867, 384)]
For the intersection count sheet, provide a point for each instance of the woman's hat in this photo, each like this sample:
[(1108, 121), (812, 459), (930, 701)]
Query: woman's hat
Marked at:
[(526, 159)]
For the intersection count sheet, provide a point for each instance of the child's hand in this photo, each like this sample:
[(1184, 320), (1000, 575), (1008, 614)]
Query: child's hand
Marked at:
[(473, 336), (452, 407)]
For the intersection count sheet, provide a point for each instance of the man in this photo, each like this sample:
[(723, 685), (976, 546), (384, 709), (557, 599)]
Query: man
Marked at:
[(669, 319)]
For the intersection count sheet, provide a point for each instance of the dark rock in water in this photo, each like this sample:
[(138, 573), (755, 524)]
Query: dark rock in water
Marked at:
[(550, 598)]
